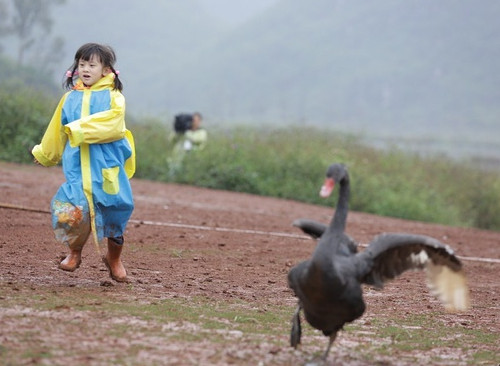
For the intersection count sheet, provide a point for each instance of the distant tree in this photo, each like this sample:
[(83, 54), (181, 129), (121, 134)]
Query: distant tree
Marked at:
[(4, 29), (47, 53), (30, 22)]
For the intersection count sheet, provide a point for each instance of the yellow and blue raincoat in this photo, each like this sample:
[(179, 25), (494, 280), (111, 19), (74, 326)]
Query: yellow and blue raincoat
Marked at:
[(87, 132)]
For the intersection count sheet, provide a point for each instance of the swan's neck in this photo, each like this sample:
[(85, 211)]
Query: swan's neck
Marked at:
[(332, 238), (339, 219)]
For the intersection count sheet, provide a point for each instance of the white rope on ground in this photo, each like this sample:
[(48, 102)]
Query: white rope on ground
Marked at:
[(223, 229), (272, 233), (22, 208)]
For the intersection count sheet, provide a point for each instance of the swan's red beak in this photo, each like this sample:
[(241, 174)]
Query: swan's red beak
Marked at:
[(327, 188)]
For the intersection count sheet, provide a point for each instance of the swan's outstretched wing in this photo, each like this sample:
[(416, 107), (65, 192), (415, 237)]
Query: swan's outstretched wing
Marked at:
[(389, 255), (310, 227), (316, 229)]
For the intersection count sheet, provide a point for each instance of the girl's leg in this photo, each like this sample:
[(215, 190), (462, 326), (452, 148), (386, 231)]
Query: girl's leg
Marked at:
[(112, 260)]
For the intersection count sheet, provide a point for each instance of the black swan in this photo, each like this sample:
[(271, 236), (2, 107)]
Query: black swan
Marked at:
[(328, 285)]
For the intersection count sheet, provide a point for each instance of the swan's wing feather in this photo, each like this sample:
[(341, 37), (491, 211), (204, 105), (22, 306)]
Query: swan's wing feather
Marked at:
[(389, 255), (310, 227)]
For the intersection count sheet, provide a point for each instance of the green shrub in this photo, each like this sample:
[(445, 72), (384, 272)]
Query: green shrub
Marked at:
[(24, 116), (151, 148), (290, 163)]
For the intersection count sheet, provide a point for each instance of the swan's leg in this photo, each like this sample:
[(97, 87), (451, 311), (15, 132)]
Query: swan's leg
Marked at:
[(330, 342), (296, 331)]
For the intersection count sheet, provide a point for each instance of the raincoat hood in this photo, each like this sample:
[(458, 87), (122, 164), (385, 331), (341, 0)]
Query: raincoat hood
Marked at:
[(106, 82)]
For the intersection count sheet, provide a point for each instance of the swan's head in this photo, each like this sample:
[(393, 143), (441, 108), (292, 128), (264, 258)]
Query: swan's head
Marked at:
[(335, 174)]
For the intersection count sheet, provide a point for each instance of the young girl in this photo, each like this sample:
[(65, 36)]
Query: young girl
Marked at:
[(88, 133)]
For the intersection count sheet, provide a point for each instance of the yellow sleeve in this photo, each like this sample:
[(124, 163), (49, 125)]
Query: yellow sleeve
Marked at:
[(130, 162), (50, 150), (101, 127)]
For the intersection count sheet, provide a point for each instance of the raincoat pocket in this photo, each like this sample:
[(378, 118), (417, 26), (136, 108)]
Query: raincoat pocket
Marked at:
[(110, 182)]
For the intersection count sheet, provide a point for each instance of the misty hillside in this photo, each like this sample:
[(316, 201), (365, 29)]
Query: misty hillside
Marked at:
[(390, 68), (369, 65)]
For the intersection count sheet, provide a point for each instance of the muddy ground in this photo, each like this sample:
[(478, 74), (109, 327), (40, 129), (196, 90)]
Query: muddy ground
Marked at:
[(189, 247)]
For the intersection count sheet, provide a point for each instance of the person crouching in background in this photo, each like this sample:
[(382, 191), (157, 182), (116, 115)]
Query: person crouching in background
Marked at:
[(188, 136)]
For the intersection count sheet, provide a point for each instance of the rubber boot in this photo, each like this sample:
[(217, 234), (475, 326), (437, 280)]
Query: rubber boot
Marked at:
[(113, 262), (76, 238), (72, 260)]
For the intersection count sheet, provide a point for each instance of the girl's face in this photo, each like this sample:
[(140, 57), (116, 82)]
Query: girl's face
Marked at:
[(91, 71)]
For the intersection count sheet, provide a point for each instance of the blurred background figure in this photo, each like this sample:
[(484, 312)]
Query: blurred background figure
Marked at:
[(188, 135)]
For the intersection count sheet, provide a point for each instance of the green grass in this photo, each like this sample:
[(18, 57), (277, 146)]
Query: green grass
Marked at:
[(104, 316), (485, 357), (211, 314), (426, 332), (291, 163)]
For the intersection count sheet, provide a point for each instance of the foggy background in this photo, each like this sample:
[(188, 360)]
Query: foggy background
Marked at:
[(422, 74)]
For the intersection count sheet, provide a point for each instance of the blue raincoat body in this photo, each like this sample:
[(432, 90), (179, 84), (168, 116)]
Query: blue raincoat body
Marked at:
[(87, 133)]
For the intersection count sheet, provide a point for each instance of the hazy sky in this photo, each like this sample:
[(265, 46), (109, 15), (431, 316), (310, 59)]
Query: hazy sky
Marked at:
[(234, 12)]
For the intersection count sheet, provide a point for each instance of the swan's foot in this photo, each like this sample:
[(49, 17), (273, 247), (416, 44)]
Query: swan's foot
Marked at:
[(330, 342), (321, 361), (296, 331), (316, 362)]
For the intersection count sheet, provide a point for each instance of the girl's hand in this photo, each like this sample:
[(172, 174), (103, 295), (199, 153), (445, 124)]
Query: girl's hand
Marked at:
[(34, 159)]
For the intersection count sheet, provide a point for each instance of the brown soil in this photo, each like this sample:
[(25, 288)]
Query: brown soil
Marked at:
[(213, 257)]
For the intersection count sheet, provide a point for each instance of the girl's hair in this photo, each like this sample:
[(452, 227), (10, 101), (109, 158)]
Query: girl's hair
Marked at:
[(106, 56)]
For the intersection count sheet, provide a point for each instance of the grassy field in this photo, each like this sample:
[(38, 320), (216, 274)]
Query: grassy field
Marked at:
[(289, 163), (141, 325)]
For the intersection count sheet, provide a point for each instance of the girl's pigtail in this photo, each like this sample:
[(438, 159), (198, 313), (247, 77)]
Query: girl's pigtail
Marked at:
[(70, 74), (118, 83)]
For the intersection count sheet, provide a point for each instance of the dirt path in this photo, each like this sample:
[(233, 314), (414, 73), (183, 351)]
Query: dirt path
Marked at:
[(186, 244)]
